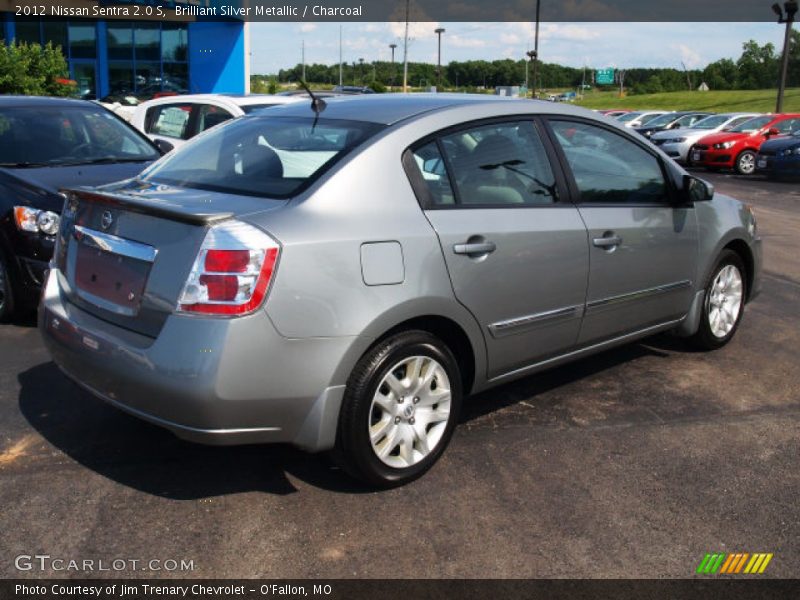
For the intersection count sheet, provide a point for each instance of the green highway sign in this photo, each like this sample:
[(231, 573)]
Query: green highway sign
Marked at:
[(604, 76)]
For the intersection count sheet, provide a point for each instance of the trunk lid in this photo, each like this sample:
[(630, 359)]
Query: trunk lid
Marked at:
[(125, 251)]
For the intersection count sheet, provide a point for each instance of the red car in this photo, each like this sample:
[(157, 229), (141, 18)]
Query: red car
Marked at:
[(737, 148)]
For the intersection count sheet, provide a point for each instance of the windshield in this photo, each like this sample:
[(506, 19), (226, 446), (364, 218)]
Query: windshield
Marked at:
[(661, 121), (648, 119), (261, 156), (752, 125), (628, 116), (48, 136), (711, 122)]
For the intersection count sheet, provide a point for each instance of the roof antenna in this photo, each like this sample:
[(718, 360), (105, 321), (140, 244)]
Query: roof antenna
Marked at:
[(317, 103)]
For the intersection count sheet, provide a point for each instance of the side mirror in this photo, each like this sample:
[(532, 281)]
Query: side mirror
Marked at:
[(773, 131), (696, 190), (163, 146)]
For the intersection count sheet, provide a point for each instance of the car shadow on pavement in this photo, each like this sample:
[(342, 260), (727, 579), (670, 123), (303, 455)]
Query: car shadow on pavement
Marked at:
[(152, 460)]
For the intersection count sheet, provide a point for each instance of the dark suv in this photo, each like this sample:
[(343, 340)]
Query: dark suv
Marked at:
[(47, 144)]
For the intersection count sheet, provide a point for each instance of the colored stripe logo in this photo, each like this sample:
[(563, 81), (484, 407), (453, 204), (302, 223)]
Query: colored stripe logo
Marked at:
[(736, 563)]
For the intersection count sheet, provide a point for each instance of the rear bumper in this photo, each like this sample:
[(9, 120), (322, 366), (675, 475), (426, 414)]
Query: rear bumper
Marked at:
[(214, 381)]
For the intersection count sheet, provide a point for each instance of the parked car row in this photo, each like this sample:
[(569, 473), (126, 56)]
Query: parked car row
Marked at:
[(339, 273), (744, 142)]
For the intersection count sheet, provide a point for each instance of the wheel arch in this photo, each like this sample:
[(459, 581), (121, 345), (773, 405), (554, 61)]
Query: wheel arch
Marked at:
[(742, 250), (445, 319)]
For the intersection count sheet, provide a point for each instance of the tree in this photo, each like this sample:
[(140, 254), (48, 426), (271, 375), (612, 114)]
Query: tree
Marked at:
[(33, 70), (758, 66)]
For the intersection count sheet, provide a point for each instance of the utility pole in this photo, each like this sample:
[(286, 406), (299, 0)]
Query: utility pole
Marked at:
[(439, 31), (791, 10), (535, 57), (304, 60), (688, 76), (340, 55), (393, 47), (621, 74), (405, 53), (361, 70)]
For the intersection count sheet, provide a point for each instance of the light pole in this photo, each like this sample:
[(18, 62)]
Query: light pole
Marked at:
[(532, 57), (535, 57), (790, 6), (393, 47), (439, 31), (361, 70)]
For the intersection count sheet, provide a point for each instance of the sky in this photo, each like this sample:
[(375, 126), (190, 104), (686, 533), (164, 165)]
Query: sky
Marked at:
[(596, 45)]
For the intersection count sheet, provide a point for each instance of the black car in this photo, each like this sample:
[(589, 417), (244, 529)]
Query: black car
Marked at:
[(47, 144), (673, 120)]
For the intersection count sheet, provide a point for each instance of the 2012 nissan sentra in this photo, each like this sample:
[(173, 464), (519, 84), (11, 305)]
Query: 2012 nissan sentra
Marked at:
[(340, 274)]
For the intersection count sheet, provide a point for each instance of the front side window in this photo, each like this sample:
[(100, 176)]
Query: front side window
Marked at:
[(169, 120), (609, 168), (500, 164), (260, 156), (788, 126)]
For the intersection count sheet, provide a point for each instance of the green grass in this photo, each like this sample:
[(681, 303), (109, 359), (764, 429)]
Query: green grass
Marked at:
[(720, 101)]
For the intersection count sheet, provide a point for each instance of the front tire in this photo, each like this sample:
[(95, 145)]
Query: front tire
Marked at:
[(746, 163), (400, 408), (723, 303)]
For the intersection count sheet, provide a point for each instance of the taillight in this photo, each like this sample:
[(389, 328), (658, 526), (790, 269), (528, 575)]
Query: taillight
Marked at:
[(232, 271)]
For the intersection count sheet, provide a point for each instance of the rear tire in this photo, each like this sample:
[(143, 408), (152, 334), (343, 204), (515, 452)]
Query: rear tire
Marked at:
[(400, 408), (723, 303), (7, 300), (745, 163)]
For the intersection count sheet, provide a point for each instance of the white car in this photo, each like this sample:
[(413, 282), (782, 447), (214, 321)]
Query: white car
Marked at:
[(172, 120), (640, 117), (678, 143)]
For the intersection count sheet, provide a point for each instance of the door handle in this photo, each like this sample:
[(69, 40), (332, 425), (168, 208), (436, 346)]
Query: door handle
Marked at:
[(475, 248), (607, 242)]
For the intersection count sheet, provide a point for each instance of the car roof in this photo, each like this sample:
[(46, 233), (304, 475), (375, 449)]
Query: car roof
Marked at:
[(10, 101), (387, 109), (237, 99)]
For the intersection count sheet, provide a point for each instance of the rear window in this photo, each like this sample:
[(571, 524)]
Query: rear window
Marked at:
[(260, 156), (248, 108)]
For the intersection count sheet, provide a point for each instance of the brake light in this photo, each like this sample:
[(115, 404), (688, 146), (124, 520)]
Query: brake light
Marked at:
[(232, 271)]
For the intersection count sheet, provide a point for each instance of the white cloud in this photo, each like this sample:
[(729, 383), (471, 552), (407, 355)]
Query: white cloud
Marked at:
[(307, 27), (510, 38), (416, 30), (458, 41), (690, 57)]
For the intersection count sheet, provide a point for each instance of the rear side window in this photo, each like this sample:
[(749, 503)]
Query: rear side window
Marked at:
[(169, 120), (260, 156), (501, 164), (209, 116), (607, 167)]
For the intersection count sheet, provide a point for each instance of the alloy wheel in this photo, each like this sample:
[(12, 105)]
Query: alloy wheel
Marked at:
[(747, 163), (725, 301), (409, 411)]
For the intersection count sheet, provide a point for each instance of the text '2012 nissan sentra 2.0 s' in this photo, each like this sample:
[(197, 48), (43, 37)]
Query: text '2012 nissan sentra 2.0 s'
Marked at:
[(339, 276)]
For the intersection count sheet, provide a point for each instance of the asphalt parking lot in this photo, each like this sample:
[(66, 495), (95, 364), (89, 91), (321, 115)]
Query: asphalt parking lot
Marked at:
[(633, 463)]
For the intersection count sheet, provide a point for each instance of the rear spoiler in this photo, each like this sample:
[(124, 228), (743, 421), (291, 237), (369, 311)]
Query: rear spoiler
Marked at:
[(157, 208)]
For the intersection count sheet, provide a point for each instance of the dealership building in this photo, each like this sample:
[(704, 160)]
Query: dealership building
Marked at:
[(109, 52)]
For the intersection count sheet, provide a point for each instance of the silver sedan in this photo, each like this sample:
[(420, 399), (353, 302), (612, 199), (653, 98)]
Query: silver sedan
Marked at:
[(340, 274)]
